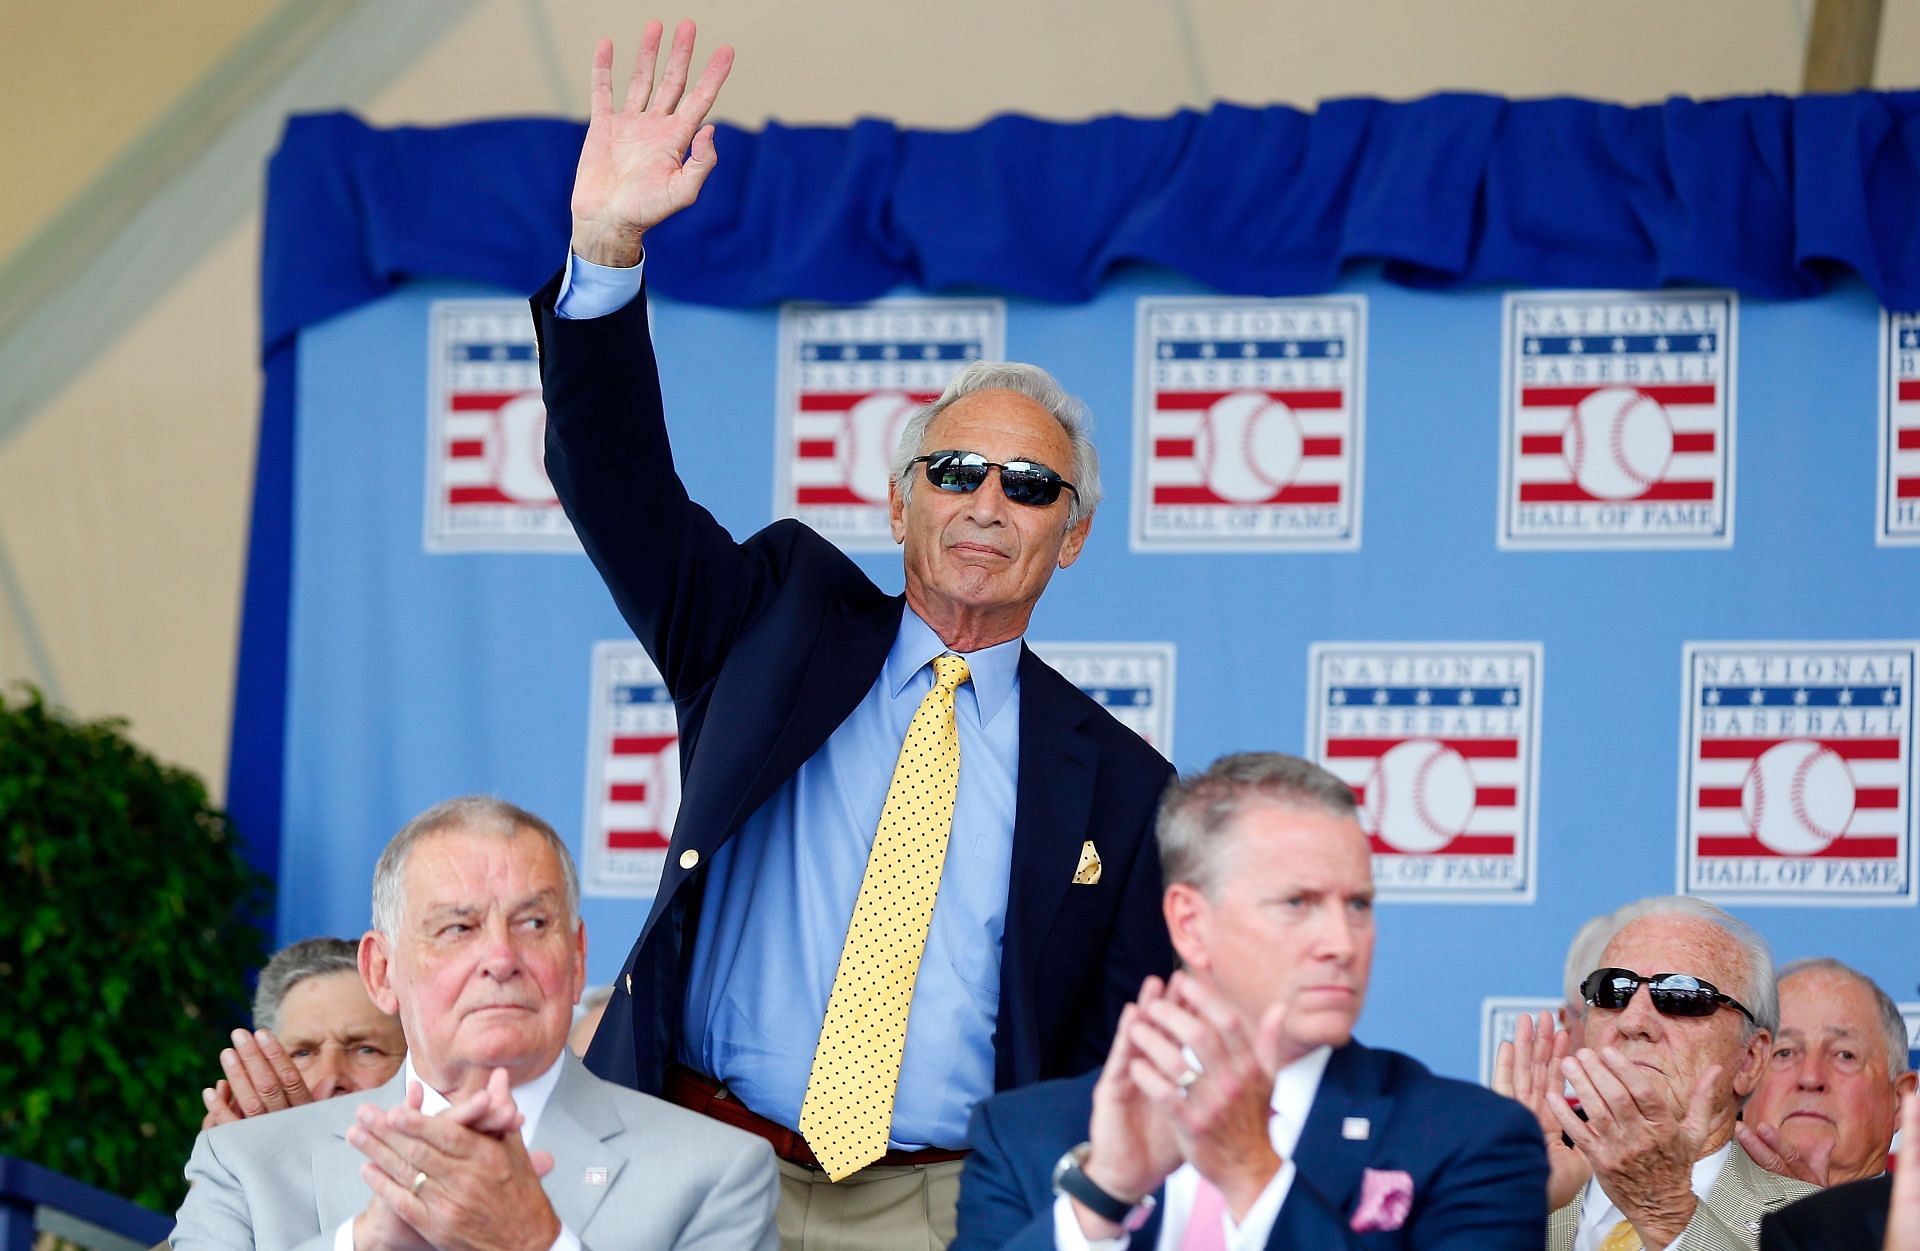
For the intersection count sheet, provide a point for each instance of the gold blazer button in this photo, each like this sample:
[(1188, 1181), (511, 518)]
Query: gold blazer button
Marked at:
[(689, 858)]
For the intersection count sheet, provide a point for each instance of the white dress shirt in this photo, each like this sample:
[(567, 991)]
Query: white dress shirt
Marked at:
[(1293, 1092), (1598, 1215), (530, 1097)]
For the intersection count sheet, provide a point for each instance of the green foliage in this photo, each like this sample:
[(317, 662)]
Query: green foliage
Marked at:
[(125, 946)]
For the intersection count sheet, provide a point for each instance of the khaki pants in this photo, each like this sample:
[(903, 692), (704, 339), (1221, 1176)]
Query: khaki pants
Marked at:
[(880, 1208)]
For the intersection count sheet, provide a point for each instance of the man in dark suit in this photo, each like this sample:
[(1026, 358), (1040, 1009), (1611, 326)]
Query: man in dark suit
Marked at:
[(1234, 1108), (820, 721)]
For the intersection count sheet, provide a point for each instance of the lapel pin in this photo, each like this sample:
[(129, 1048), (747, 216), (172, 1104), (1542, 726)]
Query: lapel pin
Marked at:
[(1356, 1128), (1088, 872), (595, 1176)]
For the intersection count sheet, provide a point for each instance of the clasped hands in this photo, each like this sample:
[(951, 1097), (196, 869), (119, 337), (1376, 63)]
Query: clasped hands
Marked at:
[(461, 1180), (1631, 1131), (1155, 1107)]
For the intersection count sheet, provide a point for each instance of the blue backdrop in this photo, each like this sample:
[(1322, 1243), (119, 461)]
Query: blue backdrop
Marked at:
[(377, 679)]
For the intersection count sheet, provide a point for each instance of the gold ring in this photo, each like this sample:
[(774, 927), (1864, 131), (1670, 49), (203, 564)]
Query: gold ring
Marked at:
[(419, 1180)]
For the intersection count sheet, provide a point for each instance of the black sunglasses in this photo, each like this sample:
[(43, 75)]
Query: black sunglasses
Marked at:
[(1674, 994), (1021, 481)]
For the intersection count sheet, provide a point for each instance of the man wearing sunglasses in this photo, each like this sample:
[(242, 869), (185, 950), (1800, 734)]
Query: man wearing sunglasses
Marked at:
[(878, 791), (1679, 1026)]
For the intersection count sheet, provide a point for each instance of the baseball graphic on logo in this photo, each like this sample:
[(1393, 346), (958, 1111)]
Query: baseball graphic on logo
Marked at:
[(1420, 795), (1618, 442), (1798, 797), (519, 450), (1248, 445), (866, 444)]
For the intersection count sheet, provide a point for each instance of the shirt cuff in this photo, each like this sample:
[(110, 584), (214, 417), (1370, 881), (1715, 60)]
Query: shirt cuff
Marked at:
[(1068, 1236), (589, 290), (343, 1236), (1252, 1231), (567, 1241)]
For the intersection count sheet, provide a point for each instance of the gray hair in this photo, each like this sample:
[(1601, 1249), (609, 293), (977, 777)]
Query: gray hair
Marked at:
[(1197, 808), (479, 813), (1583, 954), (1035, 384), (294, 964), (1758, 991), (1892, 1024)]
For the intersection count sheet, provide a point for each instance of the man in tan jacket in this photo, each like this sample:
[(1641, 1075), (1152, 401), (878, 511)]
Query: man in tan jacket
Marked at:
[(1680, 1018)]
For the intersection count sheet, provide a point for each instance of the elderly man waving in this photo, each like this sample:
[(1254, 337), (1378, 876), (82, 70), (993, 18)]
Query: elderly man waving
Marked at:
[(492, 1135)]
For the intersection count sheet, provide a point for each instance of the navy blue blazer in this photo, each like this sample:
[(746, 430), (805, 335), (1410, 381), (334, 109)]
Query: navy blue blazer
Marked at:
[(766, 647), (1478, 1163), (1849, 1217)]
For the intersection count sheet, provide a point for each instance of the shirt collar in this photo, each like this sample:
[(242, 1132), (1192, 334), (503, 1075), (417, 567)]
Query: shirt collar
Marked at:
[(1295, 1085), (991, 671), (530, 1097)]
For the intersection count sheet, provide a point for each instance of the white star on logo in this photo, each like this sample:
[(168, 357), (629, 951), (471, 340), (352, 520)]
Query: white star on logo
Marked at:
[(1845, 696), (930, 352), (1423, 698), (1619, 345), (849, 353), (1800, 696), (1142, 698), (891, 351), (1510, 697), (1292, 349), (1660, 344), (1533, 347), (1706, 343), (1338, 697), (1890, 698), (1711, 697), (1380, 697), (810, 353), (1166, 351), (1207, 351), (1249, 350), (1333, 349), (1758, 697), (1576, 346), (1466, 697), (1909, 339)]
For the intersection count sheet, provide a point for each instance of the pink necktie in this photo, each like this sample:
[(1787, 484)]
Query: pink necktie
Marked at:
[(1206, 1224)]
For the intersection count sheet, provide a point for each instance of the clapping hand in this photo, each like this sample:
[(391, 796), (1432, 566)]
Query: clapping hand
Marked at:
[(260, 1078), (1525, 1070)]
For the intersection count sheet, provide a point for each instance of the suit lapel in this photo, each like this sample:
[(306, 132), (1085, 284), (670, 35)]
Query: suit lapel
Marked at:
[(338, 1192), (576, 1128), (1325, 1155)]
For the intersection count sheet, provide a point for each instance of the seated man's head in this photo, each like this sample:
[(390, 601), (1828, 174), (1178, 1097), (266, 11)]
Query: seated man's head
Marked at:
[(1269, 892), (1583, 957), (311, 997), (1838, 1071), (1716, 1008), (477, 942)]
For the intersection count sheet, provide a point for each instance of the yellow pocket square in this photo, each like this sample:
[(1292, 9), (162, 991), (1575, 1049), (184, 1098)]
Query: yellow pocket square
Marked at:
[(1088, 874)]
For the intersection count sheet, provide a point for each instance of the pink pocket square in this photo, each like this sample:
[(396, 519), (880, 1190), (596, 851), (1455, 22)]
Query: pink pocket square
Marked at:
[(1386, 1196)]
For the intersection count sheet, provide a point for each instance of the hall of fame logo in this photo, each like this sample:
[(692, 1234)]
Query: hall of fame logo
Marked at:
[(1899, 516), (487, 488), (1797, 773), (1498, 1014), (1133, 681), (633, 773), (1248, 424), (850, 379), (1617, 420), (1440, 743)]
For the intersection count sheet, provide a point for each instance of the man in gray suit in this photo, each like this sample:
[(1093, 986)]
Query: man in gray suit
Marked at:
[(1680, 1018), (492, 1134)]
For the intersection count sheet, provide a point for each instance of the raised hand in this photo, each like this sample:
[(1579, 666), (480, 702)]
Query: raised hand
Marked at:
[(1220, 1107), (646, 162), (260, 1078), (1132, 1145), (1772, 1152), (1525, 1070), (1641, 1142)]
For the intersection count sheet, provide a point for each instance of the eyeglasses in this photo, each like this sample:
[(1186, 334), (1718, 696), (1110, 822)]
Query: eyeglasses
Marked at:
[(1021, 481), (1674, 994)]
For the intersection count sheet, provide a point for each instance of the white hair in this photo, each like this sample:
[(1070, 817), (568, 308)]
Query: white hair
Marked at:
[(1583, 954), (1757, 992), (480, 813), (1035, 384)]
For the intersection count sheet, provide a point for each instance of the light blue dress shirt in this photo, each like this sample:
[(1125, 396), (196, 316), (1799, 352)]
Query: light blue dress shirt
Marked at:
[(777, 903)]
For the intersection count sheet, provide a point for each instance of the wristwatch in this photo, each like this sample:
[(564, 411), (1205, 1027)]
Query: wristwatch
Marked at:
[(1070, 1179)]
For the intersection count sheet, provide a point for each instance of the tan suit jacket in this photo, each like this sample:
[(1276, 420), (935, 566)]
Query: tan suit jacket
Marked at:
[(1728, 1219)]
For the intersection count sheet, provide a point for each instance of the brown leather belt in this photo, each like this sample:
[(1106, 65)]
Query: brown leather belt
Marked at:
[(709, 1098)]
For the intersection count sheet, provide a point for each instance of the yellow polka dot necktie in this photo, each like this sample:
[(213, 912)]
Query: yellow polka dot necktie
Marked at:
[(1622, 1237), (848, 1108)]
